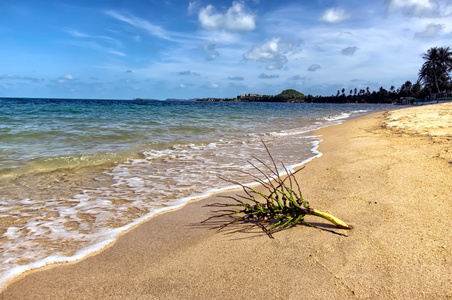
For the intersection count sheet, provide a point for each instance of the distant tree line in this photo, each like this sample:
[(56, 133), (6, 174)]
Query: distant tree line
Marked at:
[(407, 90), (434, 82)]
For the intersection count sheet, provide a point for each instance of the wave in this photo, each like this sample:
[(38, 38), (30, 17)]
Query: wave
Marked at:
[(68, 162)]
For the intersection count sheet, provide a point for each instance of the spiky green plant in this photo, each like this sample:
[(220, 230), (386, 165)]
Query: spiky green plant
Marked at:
[(280, 207)]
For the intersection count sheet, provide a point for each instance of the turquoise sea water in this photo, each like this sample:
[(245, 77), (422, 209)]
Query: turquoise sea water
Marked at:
[(76, 173)]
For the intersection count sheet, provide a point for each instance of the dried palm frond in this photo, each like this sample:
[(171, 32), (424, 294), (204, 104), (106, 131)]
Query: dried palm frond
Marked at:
[(280, 207)]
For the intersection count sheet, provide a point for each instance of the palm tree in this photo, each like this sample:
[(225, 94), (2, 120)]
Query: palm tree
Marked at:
[(406, 89), (434, 72)]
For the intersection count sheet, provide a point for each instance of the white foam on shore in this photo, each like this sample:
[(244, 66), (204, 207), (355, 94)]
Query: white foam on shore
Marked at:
[(110, 238), (344, 115), (109, 235)]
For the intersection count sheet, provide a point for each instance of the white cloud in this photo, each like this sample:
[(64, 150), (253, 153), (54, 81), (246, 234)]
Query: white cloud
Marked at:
[(95, 46), (79, 34), (65, 78), (266, 51), (140, 23), (82, 35), (236, 19), (334, 15), (193, 6), (273, 51), (431, 30), (414, 7), (119, 53)]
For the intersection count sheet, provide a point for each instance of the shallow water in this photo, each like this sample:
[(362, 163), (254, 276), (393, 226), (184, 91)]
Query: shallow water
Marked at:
[(76, 173)]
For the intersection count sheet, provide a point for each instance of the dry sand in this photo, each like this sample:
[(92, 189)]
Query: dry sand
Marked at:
[(393, 183)]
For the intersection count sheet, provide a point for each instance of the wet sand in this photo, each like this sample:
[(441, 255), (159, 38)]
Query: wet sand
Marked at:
[(388, 174)]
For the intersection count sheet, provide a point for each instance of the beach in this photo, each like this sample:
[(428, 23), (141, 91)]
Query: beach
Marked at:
[(388, 174)]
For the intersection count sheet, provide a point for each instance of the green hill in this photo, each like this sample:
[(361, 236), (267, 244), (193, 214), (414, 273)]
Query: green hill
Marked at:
[(291, 95)]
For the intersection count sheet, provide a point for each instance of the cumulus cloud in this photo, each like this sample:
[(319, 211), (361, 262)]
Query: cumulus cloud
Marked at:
[(273, 51), (431, 30), (265, 51), (334, 15), (413, 7), (236, 19), (237, 78), (265, 76), (349, 51), (313, 67)]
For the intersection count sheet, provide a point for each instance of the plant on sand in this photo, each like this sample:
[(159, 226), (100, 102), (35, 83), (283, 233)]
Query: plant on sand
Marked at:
[(282, 207)]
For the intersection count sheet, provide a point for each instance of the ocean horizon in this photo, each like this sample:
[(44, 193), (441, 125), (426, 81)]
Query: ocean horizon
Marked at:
[(75, 173)]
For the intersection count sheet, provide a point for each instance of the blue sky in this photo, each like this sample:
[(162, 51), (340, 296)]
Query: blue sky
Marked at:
[(187, 49)]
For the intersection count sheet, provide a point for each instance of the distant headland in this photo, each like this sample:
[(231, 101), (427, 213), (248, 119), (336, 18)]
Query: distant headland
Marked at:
[(401, 96)]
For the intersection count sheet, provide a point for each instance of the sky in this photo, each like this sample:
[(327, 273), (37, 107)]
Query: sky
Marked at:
[(112, 49)]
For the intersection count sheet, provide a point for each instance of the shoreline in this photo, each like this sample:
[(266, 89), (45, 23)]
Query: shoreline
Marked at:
[(55, 260), (178, 237), (70, 202)]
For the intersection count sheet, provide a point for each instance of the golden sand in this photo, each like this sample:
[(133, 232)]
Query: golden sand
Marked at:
[(433, 120)]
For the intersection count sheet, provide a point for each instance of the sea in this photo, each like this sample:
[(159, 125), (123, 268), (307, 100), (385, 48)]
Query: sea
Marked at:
[(76, 173)]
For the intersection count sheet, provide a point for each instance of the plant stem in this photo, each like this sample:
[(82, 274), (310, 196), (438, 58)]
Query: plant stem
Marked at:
[(338, 222)]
